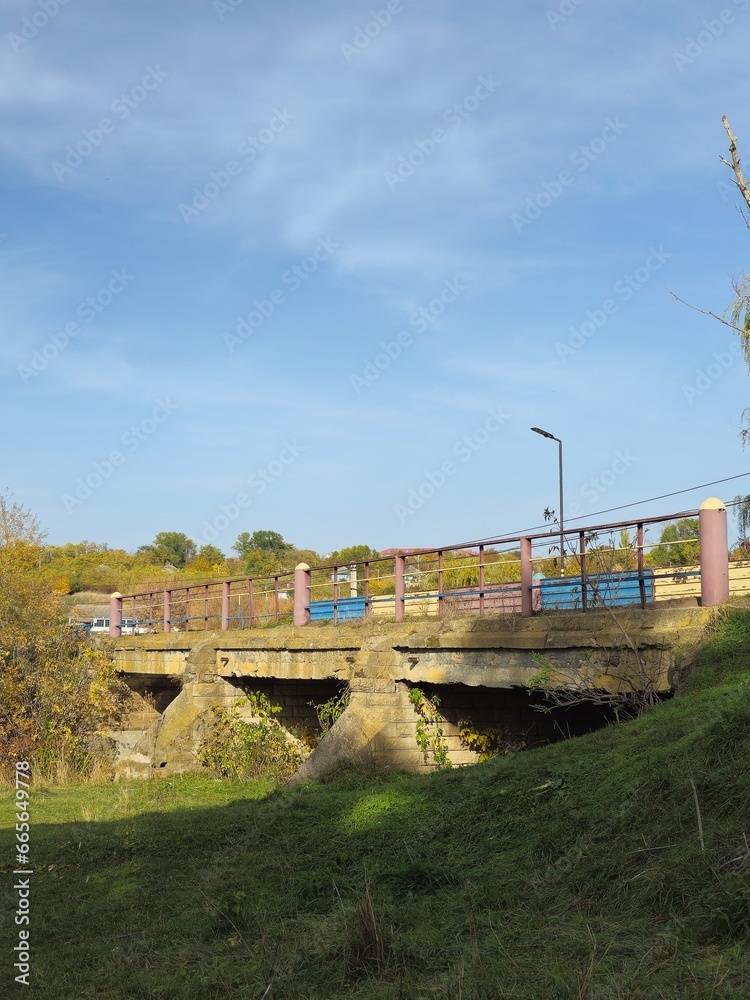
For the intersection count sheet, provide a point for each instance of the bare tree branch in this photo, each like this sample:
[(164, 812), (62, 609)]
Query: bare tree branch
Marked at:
[(735, 166), (707, 312)]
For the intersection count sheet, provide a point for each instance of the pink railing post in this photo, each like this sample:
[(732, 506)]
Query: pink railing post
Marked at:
[(400, 568), (584, 577), (167, 623), (368, 603), (115, 616), (225, 606), (302, 583), (714, 549), (440, 584), (527, 579), (641, 564), (481, 581)]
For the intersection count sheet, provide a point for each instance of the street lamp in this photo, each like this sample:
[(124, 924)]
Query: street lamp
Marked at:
[(538, 430)]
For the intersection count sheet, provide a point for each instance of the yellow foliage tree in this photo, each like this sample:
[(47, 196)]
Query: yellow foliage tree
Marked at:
[(56, 691)]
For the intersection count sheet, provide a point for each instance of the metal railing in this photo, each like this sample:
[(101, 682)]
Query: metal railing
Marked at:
[(504, 575), (239, 602)]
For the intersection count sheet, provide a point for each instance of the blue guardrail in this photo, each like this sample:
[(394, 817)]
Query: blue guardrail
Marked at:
[(347, 608), (612, 589)]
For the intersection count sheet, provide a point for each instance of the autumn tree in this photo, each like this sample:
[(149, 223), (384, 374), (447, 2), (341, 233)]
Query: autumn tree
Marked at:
[(56, 690)]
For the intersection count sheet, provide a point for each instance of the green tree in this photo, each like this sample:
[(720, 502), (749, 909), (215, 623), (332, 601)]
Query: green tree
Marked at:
[(260, 563), (269, 541), (264, 553), (678, 545), (242, 545), (351, 554), (212, 555), (171, 547)]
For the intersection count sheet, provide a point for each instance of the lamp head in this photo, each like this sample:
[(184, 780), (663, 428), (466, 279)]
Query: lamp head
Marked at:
[(538, 430)]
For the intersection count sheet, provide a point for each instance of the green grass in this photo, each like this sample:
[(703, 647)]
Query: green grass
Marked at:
[(576, 871)]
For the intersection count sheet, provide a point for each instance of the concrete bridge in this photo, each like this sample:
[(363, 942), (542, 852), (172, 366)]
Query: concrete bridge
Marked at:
[(477, 646), (479, 666)]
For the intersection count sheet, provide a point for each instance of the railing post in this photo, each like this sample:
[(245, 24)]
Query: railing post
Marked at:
[(400, 568), (167, 623), (302, 582), (225, 606), (641, 565), (527, 579), (714, 545), (584, 575), (368, 602), (481, 581), (115, 616), (440, 583)]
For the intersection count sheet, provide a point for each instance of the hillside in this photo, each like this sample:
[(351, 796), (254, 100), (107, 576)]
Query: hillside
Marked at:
[(611, 866)]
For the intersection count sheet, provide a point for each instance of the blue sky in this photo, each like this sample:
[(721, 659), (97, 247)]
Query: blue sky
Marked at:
[(300, 266)]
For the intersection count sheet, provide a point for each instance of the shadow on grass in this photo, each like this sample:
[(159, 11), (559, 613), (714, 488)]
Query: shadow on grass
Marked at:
[(614, 865)]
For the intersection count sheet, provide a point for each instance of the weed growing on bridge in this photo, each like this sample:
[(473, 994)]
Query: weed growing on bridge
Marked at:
[(236, 748), (429, 734), (487, 741), (329, 711)]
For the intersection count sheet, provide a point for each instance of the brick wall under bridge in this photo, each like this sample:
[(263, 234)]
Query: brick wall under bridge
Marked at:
[(479, 667)]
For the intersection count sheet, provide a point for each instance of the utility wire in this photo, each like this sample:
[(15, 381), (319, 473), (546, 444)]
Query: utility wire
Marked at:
[(609, 510)]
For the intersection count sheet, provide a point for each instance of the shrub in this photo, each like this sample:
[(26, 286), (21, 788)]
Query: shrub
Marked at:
[(57, 692), (234, 748)]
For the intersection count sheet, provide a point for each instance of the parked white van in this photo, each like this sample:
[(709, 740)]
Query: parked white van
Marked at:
[(129, 626)]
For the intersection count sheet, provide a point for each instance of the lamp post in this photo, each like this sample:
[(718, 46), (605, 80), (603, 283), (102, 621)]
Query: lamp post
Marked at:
[(538, 430)]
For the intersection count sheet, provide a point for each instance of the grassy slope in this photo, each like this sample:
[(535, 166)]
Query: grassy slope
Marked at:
[(574, 871)]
